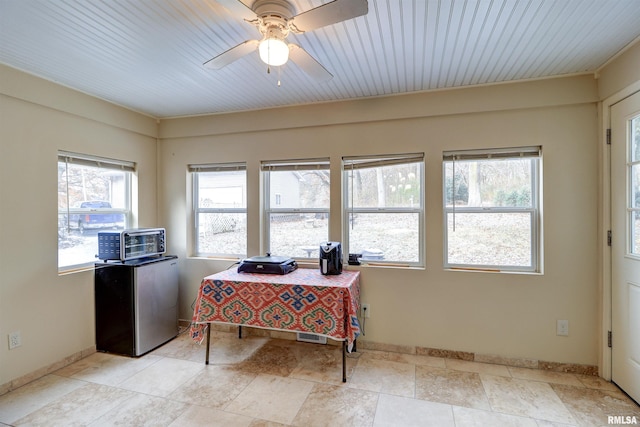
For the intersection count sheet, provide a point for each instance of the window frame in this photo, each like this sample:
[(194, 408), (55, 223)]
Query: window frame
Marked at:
[(87, 160), (267, 210), (533, 153), (349, 163), (195, 170)]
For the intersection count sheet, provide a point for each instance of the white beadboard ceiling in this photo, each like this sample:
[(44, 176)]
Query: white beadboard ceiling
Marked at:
[(147, 55)]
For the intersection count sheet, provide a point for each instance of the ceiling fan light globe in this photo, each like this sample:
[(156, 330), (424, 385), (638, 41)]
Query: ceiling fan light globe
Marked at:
[(274, 51)]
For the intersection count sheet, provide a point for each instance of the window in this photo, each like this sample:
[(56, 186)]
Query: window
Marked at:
[(384, 209), (492, 209), (94, 194), (296, 206), (220, 209)]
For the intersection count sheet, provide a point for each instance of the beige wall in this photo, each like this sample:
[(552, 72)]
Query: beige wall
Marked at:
[(506, 314), (37, 118)]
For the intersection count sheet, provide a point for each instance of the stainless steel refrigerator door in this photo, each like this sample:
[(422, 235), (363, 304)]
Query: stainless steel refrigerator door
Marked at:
[(156, 304)]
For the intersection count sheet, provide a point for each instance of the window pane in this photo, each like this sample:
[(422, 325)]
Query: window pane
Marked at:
[(635, 139), (222, 189), (299, 189), (222, 233), (298, 235), (490, 239), (635, 186), (635, 232), (90, 199), (634, 217), (385, 236), (489, 183), (397, 186)]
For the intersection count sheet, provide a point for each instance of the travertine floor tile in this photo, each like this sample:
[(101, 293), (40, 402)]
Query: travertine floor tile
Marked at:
[(109, 369), (214, 386), (592, 407), (200, 416), (143, 410), (80, 407), (271, 398), (35, 395), (183, 347), (545, 423), (322, 363), (527, 398), (591, 381), (329, 405), (231, 350), (384, 376), (545, 376), (415, 359), (163, 377), (467, 417), (480, 368), (450, 386), (395, 411), (269, 359)]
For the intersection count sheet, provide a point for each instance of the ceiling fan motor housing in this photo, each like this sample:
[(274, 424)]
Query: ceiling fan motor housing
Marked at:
[(280, 8), (274, 16)]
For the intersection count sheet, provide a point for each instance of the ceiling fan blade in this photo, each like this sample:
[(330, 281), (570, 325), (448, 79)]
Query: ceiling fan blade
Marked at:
[(327, 14), (308, 63), (239, 9), (232, 54)]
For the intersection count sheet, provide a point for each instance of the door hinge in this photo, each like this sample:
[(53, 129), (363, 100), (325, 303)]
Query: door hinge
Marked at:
[(608, 136), (609, 238), (609, 339)]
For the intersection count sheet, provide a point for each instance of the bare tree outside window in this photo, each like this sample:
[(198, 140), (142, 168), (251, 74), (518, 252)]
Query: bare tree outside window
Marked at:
[(384, 208), (492, 209)]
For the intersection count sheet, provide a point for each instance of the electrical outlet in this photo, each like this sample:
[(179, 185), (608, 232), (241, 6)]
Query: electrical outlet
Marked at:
[(562, 328), (366, 310), (15, 340)]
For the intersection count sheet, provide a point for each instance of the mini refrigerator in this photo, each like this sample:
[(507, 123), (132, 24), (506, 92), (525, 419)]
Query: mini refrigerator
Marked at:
[(136, 304)]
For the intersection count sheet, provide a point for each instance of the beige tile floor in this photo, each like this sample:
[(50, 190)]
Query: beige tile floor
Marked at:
[(258, 381)]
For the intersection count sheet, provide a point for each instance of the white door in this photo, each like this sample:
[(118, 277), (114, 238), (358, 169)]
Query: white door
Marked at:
[(625, 261)]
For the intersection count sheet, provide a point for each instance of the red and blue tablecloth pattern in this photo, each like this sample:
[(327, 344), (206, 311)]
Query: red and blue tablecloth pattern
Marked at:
[(303, 301)]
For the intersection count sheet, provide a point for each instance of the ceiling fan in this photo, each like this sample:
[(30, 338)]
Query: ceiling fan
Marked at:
[(275, 19)]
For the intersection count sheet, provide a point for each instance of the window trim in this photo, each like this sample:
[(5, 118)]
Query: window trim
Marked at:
[(351, 163), (533, 153), (292, 165), (195, 170)]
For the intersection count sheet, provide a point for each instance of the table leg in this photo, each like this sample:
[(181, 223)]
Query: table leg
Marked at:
[(206, 361), (344, 361), (239, 332)]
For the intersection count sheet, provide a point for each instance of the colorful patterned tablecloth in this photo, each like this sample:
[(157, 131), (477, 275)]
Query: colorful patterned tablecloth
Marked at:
[(301, 301)]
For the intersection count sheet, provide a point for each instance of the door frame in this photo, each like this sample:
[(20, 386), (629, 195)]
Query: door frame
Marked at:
[(604, 225)]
